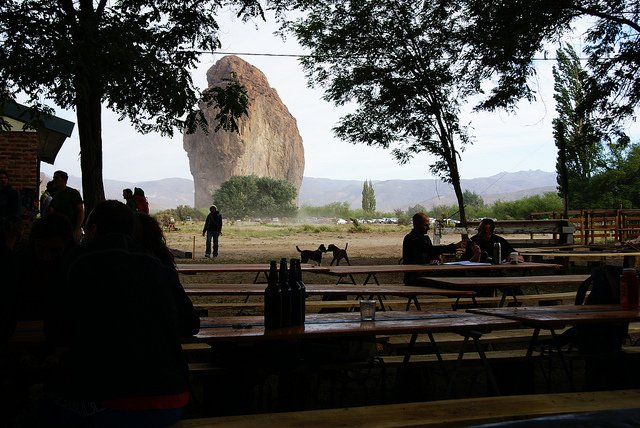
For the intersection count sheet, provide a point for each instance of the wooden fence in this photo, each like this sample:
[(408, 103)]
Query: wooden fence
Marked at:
[(599, 225)]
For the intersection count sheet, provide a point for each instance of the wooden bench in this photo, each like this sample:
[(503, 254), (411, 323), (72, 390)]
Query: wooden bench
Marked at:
[(425, 302), (311, 305), (463, 412), (561, 230), (510, 336)]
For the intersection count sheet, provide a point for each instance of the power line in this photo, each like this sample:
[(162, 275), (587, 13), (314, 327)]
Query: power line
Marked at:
[(270, 54)]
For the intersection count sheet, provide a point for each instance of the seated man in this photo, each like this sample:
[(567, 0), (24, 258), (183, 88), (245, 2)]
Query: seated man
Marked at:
[(119, 315), (480, 246), (417, 248)]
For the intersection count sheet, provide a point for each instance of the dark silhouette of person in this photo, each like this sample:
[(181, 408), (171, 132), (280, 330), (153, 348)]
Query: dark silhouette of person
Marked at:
[(127, 194), (480, 246), (120, 315), (417, 248), (212, 229), (68, 202)]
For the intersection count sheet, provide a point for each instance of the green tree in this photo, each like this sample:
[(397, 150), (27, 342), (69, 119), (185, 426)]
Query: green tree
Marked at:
[(368, 197), (505, 38), (243, 196), (131, 56), (617, 186), (401, 63), (472, 199), (580, 151), (521, 208)]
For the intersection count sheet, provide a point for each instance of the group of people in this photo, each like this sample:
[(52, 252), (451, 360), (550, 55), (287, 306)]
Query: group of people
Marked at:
[(136, 200), (114, 312), (417, 247)]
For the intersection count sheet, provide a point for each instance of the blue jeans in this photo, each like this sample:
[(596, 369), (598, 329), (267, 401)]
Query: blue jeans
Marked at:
[(214, 235)]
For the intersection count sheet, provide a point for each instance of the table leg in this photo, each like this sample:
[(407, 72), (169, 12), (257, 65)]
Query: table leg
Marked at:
[(487, 366), (458, 365), (412, 343), (266, 275), (413, 299), (533, 341), (556, 344), (369, 276)]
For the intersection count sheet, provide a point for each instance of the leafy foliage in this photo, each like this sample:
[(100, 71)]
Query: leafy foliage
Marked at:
[(401, 63), (521, 208), (134, 57), (472, 199), (243, 196), (505, 37), (617, 186)]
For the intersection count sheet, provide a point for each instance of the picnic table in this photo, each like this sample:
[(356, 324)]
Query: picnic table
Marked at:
[(257, 268), (553, 318), (371, 271), (629, 257), (410, 292), (506, 284), (348, 324)]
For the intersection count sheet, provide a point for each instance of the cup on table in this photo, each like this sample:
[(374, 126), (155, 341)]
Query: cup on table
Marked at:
[(513, 257), (367, 310)]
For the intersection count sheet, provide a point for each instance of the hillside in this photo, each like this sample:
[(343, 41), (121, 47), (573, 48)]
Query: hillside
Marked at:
[(390, 194)]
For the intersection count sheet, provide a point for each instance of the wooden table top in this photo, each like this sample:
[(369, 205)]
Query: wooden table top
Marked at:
[(323, 289), (504, 281), (558, 316), (237, 267), (375, 269), (581, 254), (349, 324)]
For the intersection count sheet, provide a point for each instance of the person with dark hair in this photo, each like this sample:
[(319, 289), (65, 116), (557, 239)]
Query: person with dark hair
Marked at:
[(140, 201), (9, 199), (417, 248), (480, 246), (212, 229), (120, 313), (68, 202), (149, 234), (127, 194)]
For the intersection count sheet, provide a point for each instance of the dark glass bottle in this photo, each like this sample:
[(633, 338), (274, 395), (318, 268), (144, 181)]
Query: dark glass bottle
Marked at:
[(297, 293), (285, 289), (497, 254), (272, 300)]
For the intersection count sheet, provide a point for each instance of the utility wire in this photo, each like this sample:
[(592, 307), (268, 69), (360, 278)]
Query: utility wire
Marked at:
[(269, 54)]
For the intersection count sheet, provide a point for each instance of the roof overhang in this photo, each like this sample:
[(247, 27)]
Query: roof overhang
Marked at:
[(52, 130)]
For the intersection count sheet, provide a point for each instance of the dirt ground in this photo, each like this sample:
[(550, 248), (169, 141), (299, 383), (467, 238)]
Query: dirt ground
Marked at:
[(260, 243)]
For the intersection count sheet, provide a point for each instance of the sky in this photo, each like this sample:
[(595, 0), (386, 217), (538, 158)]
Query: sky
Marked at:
[(502, 142)]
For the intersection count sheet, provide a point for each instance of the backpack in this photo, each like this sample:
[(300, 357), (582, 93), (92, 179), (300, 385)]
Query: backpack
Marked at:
[(600, 338)]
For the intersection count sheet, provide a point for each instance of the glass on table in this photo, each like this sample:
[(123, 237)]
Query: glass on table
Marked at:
[(367, 310)]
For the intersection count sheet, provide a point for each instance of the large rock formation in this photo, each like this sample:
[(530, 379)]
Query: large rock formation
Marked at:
[(267, 145)]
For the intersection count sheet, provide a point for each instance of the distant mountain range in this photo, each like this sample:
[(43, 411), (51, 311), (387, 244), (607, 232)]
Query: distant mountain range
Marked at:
[(390, 194)]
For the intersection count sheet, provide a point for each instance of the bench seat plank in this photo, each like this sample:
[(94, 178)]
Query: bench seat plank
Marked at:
[(449, 413)]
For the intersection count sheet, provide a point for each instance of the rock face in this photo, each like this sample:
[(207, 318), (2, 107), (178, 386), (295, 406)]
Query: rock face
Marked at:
[(268, 143)]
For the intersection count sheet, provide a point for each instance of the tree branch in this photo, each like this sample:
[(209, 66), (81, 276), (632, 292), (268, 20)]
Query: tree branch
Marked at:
[(606, 16)]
